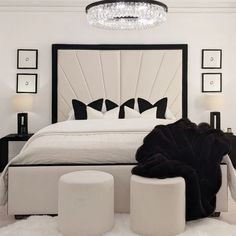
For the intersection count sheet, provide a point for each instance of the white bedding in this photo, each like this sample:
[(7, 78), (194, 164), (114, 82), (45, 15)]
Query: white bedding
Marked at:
[(84, 142), (87, 141), (91, 142)]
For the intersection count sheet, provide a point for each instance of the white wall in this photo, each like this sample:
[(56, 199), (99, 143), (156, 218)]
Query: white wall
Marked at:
[(41, 29)]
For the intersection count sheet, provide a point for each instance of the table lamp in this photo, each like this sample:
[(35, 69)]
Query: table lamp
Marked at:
[(213, 103), (22, 103)]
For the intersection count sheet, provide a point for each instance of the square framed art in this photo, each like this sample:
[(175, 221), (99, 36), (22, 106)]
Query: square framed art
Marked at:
[(212, 82), (211, 58), (27, 59), (26, 83)]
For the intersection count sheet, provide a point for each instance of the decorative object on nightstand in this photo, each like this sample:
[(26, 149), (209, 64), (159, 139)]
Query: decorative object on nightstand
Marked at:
[(22, 103), (213, 103), (4, 146)]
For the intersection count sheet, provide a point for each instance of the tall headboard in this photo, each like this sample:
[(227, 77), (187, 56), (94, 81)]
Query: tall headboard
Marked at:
[(118, 73)]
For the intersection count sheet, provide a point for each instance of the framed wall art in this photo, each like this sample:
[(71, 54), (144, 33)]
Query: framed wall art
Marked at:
[(212, 82), (27, 59), (211, 59), (26, 83)]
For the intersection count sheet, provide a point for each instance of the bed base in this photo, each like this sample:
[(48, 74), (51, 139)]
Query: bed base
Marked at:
[(216, 214), (23, 217), (33, 190)]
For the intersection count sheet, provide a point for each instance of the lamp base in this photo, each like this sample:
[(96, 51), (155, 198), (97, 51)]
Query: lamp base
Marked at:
[(215, 120), (22, 123)]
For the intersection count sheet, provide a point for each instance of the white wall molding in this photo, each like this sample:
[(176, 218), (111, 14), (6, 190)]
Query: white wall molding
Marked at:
[(175, 6)]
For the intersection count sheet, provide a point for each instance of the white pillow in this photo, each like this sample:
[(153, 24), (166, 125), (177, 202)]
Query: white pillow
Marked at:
[(129, 114), (148, 114), (169, 114), (94, 114)]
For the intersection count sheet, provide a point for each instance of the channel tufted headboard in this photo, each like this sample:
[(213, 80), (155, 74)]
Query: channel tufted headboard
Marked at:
[(118, 73)]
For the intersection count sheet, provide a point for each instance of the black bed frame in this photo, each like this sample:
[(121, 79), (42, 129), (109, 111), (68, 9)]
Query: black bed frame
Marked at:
[(183, 47)]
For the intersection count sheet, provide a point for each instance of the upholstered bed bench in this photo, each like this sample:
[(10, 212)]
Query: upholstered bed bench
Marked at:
[(34, 189)]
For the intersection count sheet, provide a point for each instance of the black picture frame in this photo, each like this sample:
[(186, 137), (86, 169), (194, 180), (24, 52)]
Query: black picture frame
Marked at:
[(35, 77), (203, 58), (27, 67), (204, 90), (57, 47)]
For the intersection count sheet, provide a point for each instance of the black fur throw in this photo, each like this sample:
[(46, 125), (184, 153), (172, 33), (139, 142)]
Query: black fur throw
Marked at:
[(188, 150)]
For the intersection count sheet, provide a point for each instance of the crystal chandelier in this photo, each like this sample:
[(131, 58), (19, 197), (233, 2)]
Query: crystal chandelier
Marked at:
[(126, 14)]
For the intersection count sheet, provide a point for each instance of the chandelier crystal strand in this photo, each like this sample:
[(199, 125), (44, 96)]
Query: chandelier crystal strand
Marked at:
[(112, 14)]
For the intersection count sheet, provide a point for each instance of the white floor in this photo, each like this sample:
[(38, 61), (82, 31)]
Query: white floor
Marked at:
[(4, 218), (229, 217)]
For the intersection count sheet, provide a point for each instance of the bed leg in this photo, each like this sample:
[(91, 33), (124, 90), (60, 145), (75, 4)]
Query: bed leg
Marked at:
[(216, 214), (21, 217)]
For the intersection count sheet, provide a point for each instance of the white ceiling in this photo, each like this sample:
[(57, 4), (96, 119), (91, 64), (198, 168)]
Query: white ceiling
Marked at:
[(78, 5)]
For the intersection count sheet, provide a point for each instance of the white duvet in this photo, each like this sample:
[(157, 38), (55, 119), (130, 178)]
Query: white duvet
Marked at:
[(84, 142), (87, 141)]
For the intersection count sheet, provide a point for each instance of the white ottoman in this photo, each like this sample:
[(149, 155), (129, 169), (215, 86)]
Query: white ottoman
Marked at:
[(86, 203), (157, 206)]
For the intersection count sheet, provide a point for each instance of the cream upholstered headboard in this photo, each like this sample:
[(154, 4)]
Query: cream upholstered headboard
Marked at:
[(118, 73)]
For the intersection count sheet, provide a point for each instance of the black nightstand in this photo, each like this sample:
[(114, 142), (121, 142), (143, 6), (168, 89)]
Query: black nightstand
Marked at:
[(232, 154), (4, 146)]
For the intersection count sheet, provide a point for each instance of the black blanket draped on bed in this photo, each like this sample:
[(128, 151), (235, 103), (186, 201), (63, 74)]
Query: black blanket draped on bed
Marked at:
[(188, 150)]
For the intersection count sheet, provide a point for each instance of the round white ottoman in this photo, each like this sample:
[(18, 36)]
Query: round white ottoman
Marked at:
[(86, 203), (157, 206)]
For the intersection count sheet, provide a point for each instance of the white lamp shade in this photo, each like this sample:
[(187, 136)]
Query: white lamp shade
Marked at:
[(214, 102), (22, 103)]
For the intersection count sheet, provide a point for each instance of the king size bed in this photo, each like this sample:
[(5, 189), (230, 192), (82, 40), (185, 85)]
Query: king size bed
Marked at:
[(139, 77)]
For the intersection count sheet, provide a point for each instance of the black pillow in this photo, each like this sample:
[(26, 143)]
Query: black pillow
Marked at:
[(161, 106), (80, 109), (111, 105)]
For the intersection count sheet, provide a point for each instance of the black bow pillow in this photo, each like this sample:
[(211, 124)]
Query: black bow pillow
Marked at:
[(111, 105), (146, 105), (80, 109)]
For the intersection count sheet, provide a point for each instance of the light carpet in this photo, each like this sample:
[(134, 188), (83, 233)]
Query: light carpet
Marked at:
[(47, 226)]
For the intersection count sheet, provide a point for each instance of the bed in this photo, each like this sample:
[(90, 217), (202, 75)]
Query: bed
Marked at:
[(87, 73)]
